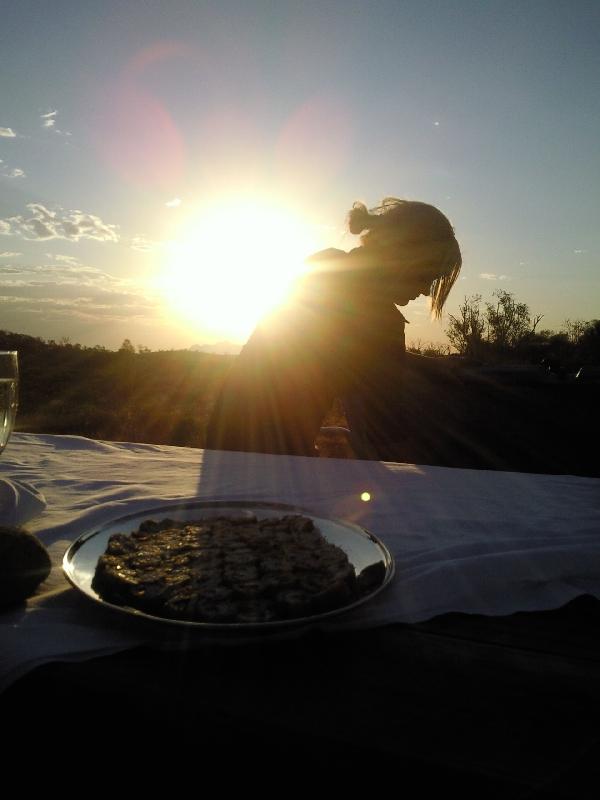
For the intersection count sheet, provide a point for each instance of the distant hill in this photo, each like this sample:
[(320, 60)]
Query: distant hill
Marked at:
[(160, 397), (163, 397), (219, 348)]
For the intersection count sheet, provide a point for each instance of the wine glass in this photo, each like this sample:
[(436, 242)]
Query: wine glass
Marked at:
[(9, 386)]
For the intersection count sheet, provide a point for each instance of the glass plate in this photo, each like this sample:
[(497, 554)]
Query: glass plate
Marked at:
[(370, 558)]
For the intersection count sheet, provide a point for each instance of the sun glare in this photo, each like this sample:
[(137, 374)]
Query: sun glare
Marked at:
[(232, 263)]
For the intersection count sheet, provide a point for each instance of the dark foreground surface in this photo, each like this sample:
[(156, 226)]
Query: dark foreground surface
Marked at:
[(499, 418), (485, 707)]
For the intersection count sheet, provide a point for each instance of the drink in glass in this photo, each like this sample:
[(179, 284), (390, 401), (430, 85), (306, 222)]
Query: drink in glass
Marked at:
[(9, 387)]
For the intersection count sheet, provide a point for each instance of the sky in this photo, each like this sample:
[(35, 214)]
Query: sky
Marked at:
[(166, 167)]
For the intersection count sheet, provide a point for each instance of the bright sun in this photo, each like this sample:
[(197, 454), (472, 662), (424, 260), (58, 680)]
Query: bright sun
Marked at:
[(233, 262)]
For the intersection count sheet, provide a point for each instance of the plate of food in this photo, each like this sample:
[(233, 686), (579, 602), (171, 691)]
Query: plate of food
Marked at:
[(229, 565)]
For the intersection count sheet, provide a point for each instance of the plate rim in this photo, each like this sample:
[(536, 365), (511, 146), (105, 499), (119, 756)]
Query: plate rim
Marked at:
[(233, 627)]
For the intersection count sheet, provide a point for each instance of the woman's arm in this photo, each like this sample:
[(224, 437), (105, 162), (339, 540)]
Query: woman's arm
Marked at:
[(278, 391)]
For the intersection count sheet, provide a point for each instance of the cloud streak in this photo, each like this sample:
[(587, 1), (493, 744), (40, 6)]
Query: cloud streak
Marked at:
[(74, 291), (71, 260), (143, 244), (7, 133), (42, 224), (8, 172), (49, 119), (49, 123), (491, 276)]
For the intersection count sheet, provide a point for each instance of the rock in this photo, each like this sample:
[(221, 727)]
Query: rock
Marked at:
[(24, 564)]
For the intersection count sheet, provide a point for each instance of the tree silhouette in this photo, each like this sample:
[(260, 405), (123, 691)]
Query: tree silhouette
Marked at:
[(466, 331), (509, 323), (127, 347)]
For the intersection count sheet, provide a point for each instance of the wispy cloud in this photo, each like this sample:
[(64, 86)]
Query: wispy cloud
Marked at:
[(579, 252), (49, 123), (7, 133), (49, 119), (174, 203), (10, 172), (143, 244), (491, 276), (10, 254), (69, 291), (43, 224), (64, 259)]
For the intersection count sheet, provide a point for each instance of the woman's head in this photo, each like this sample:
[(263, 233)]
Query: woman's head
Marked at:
[(413, 241)]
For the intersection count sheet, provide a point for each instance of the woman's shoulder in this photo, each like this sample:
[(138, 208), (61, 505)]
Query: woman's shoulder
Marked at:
[(329, 254), (333, 260), (325, 265)]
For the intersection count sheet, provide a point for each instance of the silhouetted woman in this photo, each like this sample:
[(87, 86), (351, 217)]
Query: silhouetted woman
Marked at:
[(340, 336)]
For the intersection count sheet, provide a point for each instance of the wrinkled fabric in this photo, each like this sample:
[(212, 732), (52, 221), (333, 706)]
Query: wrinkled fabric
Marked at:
[(471, 541)]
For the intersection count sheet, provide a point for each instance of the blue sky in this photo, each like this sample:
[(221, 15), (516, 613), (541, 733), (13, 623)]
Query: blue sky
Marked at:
[(124, 126)]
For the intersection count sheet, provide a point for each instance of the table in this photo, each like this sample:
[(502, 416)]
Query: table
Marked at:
[(501, 704)]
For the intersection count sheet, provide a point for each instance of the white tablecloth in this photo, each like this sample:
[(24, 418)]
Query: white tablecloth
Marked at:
[(470, 541)]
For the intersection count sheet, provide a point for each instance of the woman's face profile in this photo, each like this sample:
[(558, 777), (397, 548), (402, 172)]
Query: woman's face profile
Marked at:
[(392, 286), (409, 287)]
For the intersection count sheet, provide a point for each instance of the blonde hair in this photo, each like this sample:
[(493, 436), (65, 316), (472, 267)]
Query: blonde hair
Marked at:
[(420, 231)]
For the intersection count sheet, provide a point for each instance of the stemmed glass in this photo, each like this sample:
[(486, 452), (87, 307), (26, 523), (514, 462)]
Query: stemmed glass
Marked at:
[(9, 388)]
